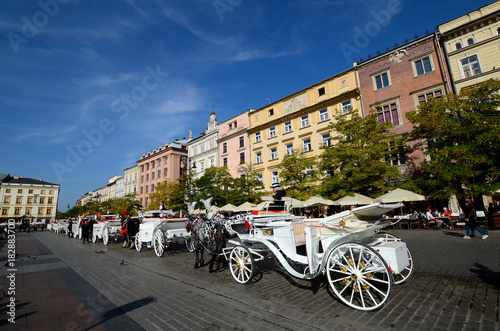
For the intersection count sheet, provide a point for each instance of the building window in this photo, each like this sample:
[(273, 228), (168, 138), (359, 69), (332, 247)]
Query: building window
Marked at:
[(304, 120), (165, 159), (289, 149), (42, 192), (42, 200), (40, 211), (202, 166), (257, 137), (381, 80), (50, 201), (309, 170), (30, 200), (388, 113), (274, 153), (212, 162), (49, 211), (147, 188), (224, 148), (288, 126), (17, 211), (274, 177), (152, 188), (142, 179), (323, 115), (399, 157), (470, 41), (147, 177), (6, 200), (242, 142), (423, 66), (242, 157), (325, 139), (147, 166), (142, 190), (152, 176), (235, 124), (258, 157), (272, 132), (259, 178), (159, 162), (346, 107), (224, 162), (321, 91), (271, 112), (153, 164), (28, 211), (20, 191), (6, 210), (31, 192), (307, 144), (165, 172), (7, 190), (458, 46), (230, 126), (429, 95), (159, 174), (19, 200), (470, 66)]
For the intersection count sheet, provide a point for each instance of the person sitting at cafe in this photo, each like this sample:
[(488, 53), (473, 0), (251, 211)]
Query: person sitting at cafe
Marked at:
[(430, 217), (446, 212)]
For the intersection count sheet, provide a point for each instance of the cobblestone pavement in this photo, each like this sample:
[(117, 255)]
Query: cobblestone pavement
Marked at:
[(70, 286)]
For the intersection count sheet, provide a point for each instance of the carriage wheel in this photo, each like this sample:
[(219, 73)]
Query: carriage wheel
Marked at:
[(359, 276), (241, 264), (94, 239), (79, 233), (138, 244), (159, 243), (190, 245), (105, 236), (408, 271)]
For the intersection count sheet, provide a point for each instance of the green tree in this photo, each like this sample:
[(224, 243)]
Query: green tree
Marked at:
[(357, 159), (213, 184), (172, 193), (244, 188), (298, 174), (461, 135)]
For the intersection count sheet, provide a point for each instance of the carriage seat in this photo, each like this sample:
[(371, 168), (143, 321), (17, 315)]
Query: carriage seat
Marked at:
[(299, 232)]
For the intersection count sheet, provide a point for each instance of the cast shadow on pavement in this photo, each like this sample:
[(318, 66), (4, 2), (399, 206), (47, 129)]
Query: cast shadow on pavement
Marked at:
[(123, 309), (487, 275)]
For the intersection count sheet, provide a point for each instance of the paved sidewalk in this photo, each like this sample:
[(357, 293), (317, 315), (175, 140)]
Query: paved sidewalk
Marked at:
[(51, 296)]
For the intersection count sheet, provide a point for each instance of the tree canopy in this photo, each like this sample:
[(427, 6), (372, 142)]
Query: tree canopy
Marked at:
[(298, 174), (358, 159), (461, 135)]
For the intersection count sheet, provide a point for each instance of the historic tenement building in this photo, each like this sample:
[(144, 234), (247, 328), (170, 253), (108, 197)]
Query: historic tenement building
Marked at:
[(234, 145), (130, 183), (472, 45), (166, 163), (203, 150), (398, 80), (27, 199), (299, 121)]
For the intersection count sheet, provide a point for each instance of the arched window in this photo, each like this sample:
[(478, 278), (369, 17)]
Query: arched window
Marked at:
[(458, 45), (470, 41)]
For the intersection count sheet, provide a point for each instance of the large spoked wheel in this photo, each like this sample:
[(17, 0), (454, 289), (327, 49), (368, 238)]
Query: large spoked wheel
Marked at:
[(241, 264), (79, 233), (159, 243), (138, 243), (105, 236), (94, 239), (359, 276), (401, 277)]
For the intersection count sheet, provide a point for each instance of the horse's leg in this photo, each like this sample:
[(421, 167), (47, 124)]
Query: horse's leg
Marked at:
[(197, 251)]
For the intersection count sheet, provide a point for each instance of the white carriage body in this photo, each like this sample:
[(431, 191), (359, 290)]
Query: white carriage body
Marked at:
[(152, 221), (111, 221)]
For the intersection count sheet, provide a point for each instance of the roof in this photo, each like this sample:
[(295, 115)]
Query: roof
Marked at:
[(26, 181)]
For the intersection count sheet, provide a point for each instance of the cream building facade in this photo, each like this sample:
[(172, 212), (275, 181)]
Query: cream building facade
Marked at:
[(299, 121), (130, 184), (27, 198), (203, 151), (472, 44)]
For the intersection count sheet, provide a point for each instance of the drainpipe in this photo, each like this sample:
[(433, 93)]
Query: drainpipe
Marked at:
[(355, 64), (445, 63)]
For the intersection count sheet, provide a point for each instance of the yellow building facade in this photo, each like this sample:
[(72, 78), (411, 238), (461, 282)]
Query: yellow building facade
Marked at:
[(299, 121), (472, 44)]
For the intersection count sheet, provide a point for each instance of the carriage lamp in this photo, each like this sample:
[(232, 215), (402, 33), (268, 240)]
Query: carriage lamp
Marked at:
[(267, 231)]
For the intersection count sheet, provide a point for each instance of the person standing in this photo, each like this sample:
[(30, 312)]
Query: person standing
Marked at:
[(162, 206), (278, 203), (471, 226), (85, 230)]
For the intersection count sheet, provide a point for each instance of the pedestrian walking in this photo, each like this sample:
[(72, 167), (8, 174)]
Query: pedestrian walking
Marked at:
[(471, 225), (85, 230)]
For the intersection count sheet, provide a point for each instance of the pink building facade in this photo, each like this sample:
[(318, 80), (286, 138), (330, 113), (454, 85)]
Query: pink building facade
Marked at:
[(234, 144), (397, 81), (166, 163)]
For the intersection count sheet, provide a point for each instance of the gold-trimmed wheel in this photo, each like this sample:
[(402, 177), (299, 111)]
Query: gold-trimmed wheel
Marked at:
[(105, 235), (401, 277), (138, 243), (359, 276), (241, 264)]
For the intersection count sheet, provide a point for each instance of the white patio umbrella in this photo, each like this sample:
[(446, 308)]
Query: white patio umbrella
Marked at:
[(246, 206), (317, 200), (399, 195), (228, 208), (357, 199)]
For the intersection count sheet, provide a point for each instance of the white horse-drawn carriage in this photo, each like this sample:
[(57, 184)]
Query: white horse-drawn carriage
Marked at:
[(160, 229), (61, 226), (361, 265), (106, 227)]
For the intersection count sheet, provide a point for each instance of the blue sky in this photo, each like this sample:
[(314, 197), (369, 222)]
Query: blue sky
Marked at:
[(86, 87)]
